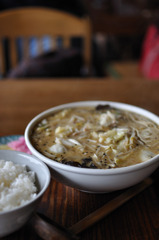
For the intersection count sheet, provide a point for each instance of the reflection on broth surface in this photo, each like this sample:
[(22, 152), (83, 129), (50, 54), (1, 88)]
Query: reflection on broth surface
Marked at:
[(101, 137)]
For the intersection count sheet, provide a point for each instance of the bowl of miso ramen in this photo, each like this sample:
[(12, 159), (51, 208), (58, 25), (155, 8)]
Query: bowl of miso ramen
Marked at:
[(96, 146)]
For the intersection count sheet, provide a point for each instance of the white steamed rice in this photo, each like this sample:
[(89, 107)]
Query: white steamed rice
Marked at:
[(17, 185)]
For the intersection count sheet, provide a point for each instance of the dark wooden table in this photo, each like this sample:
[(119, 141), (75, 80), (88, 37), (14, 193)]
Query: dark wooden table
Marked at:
[(21, 100)]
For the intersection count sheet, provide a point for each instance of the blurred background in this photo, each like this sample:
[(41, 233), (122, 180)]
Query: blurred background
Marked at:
[(119, 27)]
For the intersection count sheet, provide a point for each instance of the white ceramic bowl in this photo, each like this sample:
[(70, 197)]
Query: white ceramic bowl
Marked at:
[(12, 220), (95, 180)]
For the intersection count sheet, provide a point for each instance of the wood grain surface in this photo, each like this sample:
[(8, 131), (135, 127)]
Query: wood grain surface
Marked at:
[(21, 100)]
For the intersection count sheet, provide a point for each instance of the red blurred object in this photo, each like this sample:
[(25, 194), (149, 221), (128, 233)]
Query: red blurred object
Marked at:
[(149, 62), (19, 145)]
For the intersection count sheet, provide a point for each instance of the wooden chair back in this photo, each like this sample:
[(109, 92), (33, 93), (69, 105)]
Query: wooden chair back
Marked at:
[(37, 22)]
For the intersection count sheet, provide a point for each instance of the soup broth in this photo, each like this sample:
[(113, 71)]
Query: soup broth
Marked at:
[(96, 137)]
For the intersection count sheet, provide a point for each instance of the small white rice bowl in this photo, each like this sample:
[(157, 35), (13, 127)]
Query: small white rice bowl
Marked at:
[(23, 181)]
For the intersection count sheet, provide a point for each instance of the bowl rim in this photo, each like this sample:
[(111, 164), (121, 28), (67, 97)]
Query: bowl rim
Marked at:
[(41, 192), (90, 171)]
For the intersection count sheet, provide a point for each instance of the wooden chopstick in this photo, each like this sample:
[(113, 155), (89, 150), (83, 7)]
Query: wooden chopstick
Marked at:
[(109, 207)]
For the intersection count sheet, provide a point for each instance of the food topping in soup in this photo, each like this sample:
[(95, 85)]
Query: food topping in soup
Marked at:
[(96, 137)]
